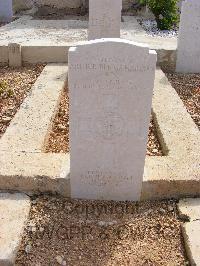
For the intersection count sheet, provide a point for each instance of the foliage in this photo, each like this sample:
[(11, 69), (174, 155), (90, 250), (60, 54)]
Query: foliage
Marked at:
[(165, 12), (4, 90)]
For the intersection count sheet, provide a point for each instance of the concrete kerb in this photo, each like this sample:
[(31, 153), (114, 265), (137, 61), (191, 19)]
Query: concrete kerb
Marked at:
[(189, 210), (14, 211), (37, 45), (26, 168)]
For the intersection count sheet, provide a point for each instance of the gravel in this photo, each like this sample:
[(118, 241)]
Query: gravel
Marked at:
[(79, 232), (59, 135), (188, 88), (15, 83), (150, 26)]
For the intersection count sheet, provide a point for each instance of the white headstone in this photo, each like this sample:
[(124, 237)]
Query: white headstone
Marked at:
[(188, 54), (6, 11), (104, 19), (111, 85)]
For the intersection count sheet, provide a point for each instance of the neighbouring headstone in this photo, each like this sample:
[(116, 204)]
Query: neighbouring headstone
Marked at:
[(188, 54), (104, 19), (111, 85), (6, 11), (14, 55)]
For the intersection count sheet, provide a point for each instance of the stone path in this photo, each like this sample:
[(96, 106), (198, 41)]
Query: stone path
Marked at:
[(14, 211), (190, 209)]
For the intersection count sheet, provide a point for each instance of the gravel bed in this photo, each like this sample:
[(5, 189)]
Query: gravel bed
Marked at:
[(79, 232), (150, 26), (59, 135), (188, 88), (15, 83)]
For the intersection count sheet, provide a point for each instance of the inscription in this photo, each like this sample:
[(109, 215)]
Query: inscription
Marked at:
[(103, 178), (111, 67)]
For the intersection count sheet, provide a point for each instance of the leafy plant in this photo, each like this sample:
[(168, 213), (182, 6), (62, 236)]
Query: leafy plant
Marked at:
[(4, 90), (165, 12)]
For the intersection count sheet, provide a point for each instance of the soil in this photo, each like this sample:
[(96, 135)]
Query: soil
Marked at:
[(188, 88), (69, 232), (59, 135), (15, 84)]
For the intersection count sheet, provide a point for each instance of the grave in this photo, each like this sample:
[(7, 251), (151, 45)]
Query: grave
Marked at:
[(6, 11), (104, 19), (110, 88), (188, 55)]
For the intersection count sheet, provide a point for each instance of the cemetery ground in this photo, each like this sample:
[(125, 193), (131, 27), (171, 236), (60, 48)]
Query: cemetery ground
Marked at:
[(77, 232), (35, 160), (151, 235)]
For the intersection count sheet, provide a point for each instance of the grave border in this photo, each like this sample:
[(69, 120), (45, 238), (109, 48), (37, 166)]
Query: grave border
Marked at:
[(174, 175)]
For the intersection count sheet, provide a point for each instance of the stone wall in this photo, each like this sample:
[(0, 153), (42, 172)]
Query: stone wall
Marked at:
[(20, 5)]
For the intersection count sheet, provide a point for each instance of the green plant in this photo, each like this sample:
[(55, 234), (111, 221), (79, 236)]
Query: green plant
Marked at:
[(4, 90), (165, 12)]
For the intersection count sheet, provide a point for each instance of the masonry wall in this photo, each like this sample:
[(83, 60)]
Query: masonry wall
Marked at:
[(63, 4), (59, 4)]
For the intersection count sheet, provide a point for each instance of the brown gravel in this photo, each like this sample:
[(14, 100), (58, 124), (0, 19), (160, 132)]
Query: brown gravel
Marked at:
[(188, 88), (15, 83), (77, 232), (59, 135)]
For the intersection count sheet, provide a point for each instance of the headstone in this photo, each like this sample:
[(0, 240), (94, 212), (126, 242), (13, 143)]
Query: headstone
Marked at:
[(104, 19), (111, 85), (14, 55), (6, 11), (188, 54)]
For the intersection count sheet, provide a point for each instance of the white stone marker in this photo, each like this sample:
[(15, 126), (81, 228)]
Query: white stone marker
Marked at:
[(188, 54), (111, 85), (6, 11), (104, 19)]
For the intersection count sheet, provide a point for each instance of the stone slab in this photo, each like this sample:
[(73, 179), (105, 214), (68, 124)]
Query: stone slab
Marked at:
[(191, 234), (14, 211), (104, 19), (188, 54), (35, 173), (27, 131), (190, 208), (110, 89)]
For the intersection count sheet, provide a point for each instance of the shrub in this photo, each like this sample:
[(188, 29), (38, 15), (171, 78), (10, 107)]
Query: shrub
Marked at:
[(165, 12)]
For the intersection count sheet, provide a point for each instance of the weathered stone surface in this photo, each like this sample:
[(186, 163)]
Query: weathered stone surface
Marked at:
[(188, 54), (191, 233), (29, 128), (111, 86), (190, 208), (104, 19), (14, 211), (14, 55), (6, 11), (48, 41), (19, 5), (60, 4)]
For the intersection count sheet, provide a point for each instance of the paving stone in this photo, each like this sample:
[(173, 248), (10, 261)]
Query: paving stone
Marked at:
[(191, 233), (14, 211), (190, 208)]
